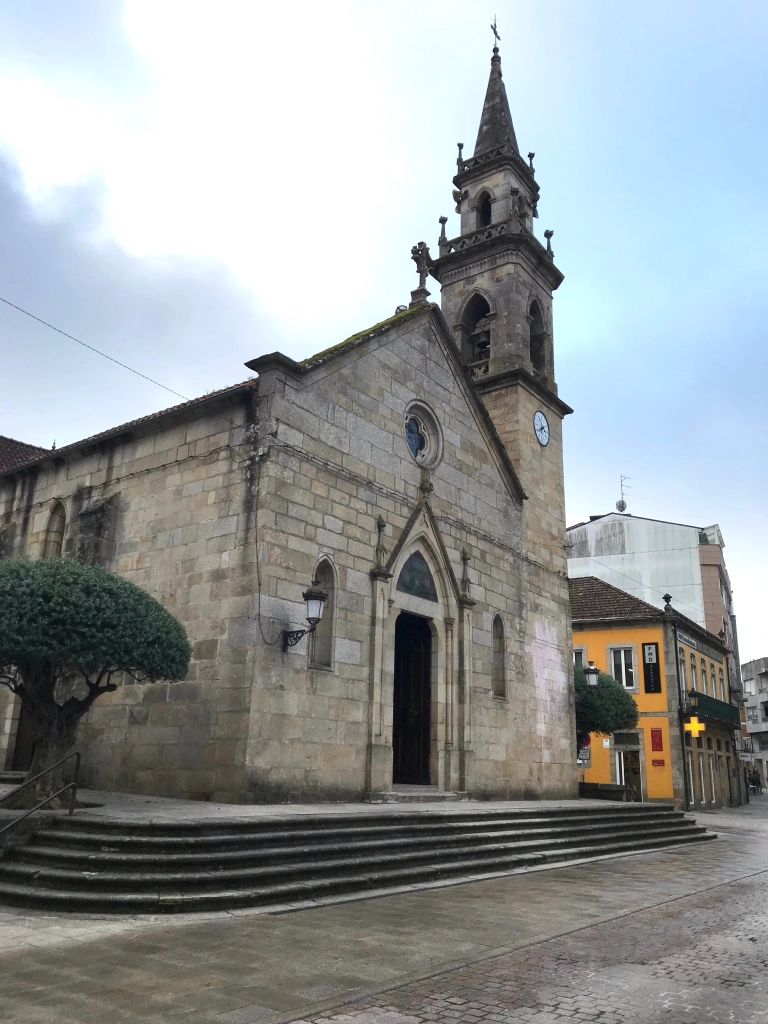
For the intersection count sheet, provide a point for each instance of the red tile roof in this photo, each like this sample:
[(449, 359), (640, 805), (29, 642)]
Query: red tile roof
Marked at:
[(592, 598), (17, 453)]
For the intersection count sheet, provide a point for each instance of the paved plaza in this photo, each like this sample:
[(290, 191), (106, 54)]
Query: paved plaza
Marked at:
[(674, 935)]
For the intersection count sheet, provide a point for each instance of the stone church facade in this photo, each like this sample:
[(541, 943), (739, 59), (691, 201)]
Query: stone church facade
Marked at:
[(415, 473)]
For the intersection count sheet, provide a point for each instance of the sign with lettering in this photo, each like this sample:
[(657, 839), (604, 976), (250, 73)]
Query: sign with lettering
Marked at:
[(657, 739), (585, 755), (698, 645), (651, 668), (658, 763)]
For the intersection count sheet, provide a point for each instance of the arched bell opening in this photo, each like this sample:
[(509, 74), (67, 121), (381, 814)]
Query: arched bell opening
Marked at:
[(476, 335), (538, 339)]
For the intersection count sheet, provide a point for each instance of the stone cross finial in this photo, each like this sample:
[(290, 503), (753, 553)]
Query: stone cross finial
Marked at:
[(420, 256), (422, 259), (530, 162), (442, 241), (460, 159), (548, 235)]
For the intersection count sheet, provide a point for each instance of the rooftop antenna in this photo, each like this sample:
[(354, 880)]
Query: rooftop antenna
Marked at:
[(621, 505)]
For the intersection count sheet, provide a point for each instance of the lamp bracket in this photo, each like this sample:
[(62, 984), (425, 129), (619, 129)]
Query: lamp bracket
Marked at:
[(292, 636)]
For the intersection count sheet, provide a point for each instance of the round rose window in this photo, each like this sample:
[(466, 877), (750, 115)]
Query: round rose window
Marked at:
[(422, 434)]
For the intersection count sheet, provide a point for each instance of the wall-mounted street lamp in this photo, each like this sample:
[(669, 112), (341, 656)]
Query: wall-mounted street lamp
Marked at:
[(693, 700), (314, 599), (591, 674)]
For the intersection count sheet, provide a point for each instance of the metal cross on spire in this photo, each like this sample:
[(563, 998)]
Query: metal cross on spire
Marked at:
[(493, 29)]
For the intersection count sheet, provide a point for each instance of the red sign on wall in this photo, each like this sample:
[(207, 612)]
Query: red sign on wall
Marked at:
[(657, 743), (657, 763)]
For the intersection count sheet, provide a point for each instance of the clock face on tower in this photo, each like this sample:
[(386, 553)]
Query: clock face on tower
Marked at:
[(541, 427)]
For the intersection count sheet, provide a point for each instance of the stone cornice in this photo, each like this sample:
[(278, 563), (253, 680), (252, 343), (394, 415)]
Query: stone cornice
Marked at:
[(522, 242), (479, 166), (521, 376)]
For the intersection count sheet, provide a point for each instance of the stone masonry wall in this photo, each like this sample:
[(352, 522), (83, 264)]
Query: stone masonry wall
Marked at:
[(337, 459), (179, 531)]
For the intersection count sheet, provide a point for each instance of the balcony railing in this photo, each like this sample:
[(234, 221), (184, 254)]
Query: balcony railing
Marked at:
[(714, 710)]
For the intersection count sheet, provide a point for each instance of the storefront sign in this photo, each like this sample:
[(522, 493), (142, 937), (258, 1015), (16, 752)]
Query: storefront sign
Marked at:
[(657, 739), (658, 763), (651, 669)]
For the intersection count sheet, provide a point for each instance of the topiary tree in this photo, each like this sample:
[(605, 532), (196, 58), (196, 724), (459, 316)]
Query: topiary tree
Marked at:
[(604, 708), (66, 631)]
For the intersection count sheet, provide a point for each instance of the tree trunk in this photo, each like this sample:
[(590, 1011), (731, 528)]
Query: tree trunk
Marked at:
[(48, 750), (54, 729)]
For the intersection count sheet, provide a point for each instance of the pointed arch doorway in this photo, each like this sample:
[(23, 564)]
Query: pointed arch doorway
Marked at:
[(412, 700)]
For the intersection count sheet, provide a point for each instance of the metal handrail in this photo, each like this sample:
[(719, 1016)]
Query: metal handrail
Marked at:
[(28, 782), (71, 786)]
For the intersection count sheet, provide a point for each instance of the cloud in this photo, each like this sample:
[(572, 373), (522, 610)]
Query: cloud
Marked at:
[(184, 322)]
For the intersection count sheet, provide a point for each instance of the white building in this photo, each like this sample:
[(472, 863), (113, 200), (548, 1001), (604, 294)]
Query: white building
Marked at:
[(649, 558)]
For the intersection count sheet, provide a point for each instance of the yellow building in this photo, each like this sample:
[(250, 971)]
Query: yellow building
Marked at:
[(682, 748)]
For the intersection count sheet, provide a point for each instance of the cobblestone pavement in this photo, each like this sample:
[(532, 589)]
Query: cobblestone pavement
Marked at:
[(700, 958), (677, 935)]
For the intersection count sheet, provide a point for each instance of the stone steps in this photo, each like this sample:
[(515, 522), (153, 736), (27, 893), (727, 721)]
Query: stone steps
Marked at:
[(149, 855), (92, 864), (12, 778)]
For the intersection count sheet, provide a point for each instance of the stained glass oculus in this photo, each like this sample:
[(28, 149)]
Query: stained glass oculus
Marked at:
[(416, 579), (423, 436), (414, 436)]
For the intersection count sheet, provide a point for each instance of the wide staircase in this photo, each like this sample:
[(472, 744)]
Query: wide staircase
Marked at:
[(91, 864)]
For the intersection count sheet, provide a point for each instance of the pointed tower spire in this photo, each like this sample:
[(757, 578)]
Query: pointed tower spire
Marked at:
[(496, 128)]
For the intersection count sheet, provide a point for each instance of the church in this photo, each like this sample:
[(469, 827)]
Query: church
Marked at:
[(366, 548)]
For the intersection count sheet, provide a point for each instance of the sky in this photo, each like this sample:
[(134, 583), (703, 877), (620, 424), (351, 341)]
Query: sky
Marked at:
[(187, 185)]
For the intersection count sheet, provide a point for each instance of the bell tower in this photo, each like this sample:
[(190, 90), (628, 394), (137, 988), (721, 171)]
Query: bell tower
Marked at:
[(497, 281)]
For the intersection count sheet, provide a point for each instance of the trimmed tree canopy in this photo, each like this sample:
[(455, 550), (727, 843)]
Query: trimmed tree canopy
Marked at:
[(604, 708), (65, 630), (82, 619)]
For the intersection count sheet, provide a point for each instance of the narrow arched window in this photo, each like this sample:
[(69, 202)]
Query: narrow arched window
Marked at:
[(681, 662), (723, 695), (498, 668), (694, 676), (704, 678), (321, 642), (476, 335), (712, 678), (54, 533), (537, 339), (483, 210)]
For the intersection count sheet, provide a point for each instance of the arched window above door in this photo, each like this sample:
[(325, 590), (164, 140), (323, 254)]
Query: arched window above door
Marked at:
[(54, 533), (416, 579)]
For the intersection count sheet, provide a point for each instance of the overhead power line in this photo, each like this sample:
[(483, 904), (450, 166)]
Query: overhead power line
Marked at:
[(97, 351)]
